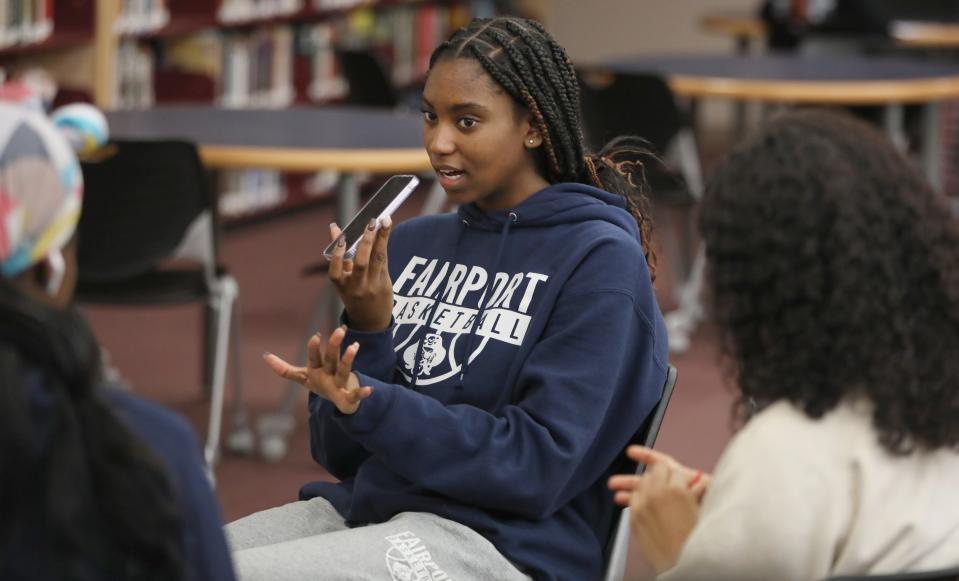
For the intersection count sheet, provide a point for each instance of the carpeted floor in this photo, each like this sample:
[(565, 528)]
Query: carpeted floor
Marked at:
[(157, 351)]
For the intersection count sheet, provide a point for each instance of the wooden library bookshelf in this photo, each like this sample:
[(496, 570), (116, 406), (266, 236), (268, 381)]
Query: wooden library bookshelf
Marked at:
[(238, 54)]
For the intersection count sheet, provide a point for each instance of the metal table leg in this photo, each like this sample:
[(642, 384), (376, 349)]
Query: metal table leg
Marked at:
[(893, 122), (932, 143), (274, 429)]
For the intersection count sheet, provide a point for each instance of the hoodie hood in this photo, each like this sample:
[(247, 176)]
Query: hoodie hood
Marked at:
[(561, 203)]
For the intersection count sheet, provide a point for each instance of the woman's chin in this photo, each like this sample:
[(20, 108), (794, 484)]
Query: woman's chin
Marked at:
[(459, 196)]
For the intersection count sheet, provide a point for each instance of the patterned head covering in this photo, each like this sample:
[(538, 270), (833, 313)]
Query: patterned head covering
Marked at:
[(41, 189)]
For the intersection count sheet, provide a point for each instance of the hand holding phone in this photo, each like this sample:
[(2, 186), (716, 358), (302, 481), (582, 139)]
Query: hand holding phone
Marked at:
[(383, 203), (358, 261)]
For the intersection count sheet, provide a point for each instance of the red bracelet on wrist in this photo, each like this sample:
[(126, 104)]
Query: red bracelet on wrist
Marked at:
[(695, 479)]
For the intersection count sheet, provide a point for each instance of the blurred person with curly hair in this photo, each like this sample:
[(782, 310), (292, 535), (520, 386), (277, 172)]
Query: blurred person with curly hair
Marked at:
[(834, 271)]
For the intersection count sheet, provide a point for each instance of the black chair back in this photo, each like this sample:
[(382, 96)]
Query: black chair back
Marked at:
[(140, 198), (926, 10), (646, 436), (640, 105), (616, 104), (369, 84)]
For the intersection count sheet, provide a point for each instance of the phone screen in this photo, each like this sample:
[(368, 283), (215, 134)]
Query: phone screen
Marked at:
[(383, 203)]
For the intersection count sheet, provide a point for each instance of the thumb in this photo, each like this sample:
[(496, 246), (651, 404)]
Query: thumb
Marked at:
[(645, 455), (284, 369)]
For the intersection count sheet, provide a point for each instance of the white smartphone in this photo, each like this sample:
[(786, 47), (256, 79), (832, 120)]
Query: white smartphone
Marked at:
[(383, 203)]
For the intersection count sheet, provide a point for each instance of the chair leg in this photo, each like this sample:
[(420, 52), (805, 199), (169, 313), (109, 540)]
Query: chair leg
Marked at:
[(616, 567), (274, 428), (681, 323), (110, 374), (224, 295), (210, 324), (672, 227), (240, 439)]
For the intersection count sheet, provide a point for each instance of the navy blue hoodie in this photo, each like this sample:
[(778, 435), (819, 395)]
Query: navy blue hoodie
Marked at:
[(168, 435), (526, 350)]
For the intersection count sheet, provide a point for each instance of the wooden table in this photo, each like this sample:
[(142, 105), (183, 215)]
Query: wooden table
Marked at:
[(840, 80), (926, 35), (788, 79), (345, 139)]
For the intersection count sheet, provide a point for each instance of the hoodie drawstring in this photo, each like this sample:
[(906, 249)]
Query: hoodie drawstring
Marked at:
[(429, 316), (484, 298)]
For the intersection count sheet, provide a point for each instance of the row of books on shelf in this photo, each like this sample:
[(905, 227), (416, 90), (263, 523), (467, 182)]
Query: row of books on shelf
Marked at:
[(25, 21), (141, 16), (244, 193), (257, 69), (148, 16), (242, 10), (276, 65), (134, 76), (246, 10)]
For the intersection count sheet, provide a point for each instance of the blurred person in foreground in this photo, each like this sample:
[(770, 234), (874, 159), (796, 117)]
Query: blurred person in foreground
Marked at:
[(834, 270), (95, 484)]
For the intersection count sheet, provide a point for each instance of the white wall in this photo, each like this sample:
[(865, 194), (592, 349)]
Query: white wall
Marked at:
[(594, 30)]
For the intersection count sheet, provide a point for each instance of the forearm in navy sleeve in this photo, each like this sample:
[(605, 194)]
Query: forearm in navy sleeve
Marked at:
[(330, 445), (375, 357), (586, 387)]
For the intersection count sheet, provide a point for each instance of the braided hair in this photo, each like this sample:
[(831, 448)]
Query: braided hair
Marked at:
[(78, 490), (522, 58)]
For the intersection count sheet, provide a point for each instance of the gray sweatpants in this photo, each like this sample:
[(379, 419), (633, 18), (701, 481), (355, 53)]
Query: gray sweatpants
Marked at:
[(309, 540)]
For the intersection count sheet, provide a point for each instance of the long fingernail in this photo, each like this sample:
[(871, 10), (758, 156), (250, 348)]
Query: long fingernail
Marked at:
[(372, 224), (266, 354)]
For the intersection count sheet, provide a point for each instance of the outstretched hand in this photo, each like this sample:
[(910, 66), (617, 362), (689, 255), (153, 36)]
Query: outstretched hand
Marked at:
[(327, 374), (662, 514), (624, 484), (663, 503)]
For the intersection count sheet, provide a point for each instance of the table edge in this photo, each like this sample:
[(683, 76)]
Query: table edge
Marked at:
[(308, 160), (920, 90)]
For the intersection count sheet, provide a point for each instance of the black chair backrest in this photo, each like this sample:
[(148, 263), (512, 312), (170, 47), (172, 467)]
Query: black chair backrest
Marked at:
[(646, 436), (140, 197), (640, 105), (616, 104), (368, 82), (940, 575), (928, 10)]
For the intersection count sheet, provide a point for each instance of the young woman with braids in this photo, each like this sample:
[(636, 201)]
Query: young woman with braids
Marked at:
[(95, 484), (835, 275), (504, 354)]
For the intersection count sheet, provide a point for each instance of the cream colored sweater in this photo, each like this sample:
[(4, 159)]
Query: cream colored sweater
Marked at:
[(795, 498)]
